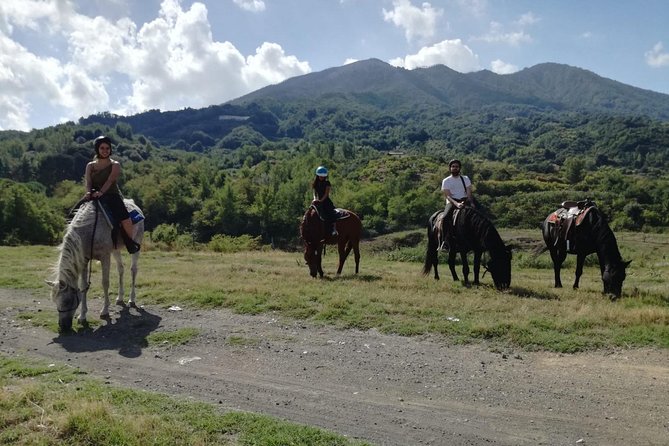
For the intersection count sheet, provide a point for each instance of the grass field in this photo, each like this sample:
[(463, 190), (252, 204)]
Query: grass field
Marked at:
[(391, 295), (51, 404)]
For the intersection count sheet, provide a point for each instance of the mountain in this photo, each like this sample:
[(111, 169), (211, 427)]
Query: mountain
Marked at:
[(548, 85), (363, 100)]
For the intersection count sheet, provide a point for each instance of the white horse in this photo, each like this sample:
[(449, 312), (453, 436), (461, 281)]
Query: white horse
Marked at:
[(88, 237)]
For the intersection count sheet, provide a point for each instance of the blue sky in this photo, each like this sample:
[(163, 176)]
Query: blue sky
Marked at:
[(64, 59)]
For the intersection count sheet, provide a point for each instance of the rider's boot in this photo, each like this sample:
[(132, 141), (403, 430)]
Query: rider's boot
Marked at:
[(126, 231)]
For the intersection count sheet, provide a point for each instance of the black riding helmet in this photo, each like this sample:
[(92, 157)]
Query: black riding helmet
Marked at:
[(456, 161), (99, 140)]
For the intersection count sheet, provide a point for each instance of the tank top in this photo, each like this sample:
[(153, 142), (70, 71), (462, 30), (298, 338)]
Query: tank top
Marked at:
[(99, 178)]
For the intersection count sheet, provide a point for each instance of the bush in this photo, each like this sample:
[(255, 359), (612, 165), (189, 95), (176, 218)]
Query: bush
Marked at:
[(226, 243), (165, 233)]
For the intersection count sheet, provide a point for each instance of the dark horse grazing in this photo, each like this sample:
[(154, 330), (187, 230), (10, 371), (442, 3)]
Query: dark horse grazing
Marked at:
[(581, 229), (472, 231), (312, 232)]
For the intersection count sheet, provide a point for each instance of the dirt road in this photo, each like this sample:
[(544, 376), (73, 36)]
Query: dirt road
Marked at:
[(388, 390)]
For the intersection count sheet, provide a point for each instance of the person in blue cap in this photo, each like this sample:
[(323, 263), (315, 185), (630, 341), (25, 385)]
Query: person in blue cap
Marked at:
[(326, 208)]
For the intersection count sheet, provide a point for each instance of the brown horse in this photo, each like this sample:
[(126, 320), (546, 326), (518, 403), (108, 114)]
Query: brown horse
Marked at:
[(314, 236)]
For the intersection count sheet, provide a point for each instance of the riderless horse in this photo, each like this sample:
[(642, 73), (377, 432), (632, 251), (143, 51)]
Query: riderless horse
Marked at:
[(88, 237), (580, 228), (469, 230)]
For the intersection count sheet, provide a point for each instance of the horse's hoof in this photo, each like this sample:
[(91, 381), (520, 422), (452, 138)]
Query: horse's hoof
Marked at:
[(132, 304), (120, 302)]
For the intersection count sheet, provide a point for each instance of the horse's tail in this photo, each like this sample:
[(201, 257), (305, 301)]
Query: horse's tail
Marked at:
[(431, 252)]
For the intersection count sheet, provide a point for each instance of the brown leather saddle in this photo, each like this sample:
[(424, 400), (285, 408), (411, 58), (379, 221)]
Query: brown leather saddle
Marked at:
[(438, 229), (566, 218)]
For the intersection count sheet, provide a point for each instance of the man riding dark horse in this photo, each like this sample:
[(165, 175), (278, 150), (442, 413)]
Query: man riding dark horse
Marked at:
[(457, 190)]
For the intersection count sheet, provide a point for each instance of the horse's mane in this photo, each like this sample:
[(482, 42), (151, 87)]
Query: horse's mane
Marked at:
[(603, 234), (304, 227), (83, 216), (303, 223), (485, 232), (71, 259)]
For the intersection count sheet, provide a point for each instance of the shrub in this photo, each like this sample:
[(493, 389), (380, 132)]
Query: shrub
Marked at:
[(226, 243)]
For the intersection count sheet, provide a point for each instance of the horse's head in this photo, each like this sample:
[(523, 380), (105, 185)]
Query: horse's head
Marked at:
[(613, 277), (500, 268), (67, 300), (313, 257), (312, 232)]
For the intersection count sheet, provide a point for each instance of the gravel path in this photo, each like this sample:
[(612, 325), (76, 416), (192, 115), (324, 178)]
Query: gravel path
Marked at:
[(387, 390)]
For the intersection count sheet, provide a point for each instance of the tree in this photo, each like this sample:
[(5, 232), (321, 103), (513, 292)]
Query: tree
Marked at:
[(26, 216)]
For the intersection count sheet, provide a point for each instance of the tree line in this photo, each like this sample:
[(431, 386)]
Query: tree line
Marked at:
[(262, 189)]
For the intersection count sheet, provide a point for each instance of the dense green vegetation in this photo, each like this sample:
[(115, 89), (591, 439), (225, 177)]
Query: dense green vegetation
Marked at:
[(263, 190)]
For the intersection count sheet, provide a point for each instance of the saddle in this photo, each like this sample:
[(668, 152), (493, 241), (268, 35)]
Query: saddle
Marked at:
[(569, 215), (439, 228), (340, 214), (135, 215)]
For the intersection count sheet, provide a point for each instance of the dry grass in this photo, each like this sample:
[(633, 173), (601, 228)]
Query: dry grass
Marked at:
[(394, 297)]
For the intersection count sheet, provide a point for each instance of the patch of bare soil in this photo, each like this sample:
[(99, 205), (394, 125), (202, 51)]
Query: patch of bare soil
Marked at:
[(387, 390)]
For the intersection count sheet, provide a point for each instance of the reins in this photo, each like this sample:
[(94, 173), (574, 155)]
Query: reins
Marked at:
[(90, 260)]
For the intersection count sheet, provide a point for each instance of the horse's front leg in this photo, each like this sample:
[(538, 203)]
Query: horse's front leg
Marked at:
[(356, 256), (477, 266), (319, 263), (580, 260), (465, 267), (451, 264), (83, 287), (106, 265), (120, 269)]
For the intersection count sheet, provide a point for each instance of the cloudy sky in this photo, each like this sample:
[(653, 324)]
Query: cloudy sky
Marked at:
[(64, 59)]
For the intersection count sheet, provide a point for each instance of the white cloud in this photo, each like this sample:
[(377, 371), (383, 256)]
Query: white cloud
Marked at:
[(501, 67), (474, 7), (657, 57), (168, 63), (350, 61), (452, 53), (251, 5), (415, 21), (270, 65), (496, 34), (527, 19), (22, 76)]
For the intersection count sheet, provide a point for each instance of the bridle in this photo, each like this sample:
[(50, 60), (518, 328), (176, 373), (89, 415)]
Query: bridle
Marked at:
[(76, 300)]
